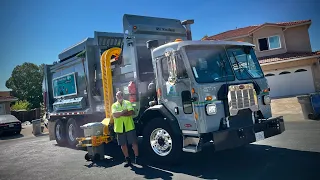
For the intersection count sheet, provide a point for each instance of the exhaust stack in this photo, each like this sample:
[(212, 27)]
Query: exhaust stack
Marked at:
[(187, 24)]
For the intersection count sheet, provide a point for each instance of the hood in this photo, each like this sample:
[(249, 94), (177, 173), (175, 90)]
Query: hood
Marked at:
[(8, 119)]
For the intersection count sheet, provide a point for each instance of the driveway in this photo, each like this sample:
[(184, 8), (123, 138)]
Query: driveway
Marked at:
[(287, 107)]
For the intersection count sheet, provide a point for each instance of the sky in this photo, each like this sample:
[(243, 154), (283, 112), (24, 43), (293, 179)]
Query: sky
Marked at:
[(37, 31)]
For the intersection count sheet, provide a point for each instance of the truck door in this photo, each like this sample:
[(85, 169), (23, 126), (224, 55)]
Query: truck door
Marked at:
[(176, 96)]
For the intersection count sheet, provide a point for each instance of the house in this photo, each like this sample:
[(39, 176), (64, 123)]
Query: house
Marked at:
[(5, 100), (285, 54)]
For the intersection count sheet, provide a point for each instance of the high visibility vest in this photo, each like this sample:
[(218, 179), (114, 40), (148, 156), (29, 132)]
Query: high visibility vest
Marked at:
[(123, 123)]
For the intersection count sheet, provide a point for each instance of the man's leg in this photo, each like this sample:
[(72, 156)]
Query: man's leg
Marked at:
[(125, 150), (135, 149), (133, 140), (122, 141)]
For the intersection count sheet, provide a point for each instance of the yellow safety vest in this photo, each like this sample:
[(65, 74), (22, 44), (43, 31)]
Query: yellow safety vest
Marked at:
[(123, 123)]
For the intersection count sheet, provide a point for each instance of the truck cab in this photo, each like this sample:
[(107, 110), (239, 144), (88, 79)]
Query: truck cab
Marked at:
[(215, 90)]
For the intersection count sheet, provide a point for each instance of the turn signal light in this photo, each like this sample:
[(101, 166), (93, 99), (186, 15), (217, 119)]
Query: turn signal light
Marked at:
[(266, 90), (177, 40), (208, 98), (196, 116), (193, 91)]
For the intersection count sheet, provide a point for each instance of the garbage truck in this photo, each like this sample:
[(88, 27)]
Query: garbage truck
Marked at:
[(186, 93)]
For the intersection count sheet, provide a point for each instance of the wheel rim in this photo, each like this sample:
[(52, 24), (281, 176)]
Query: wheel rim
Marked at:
[(161, 142), (71, 131), (58, 132)]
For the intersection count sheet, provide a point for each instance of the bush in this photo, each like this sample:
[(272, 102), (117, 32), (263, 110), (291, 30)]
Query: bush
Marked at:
[(21, 105)]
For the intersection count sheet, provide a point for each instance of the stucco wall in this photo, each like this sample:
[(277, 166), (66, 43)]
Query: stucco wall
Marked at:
[(266, 32), (297, 39), (6, 107), (316, 75)]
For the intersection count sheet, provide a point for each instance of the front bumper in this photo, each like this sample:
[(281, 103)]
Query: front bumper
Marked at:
[(232, 138)]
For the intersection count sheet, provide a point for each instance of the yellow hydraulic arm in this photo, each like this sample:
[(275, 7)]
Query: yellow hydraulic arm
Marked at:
[(106, 58), (105, 61)]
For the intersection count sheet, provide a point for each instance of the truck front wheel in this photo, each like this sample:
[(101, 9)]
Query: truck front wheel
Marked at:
[(161, 144), (60, 133)]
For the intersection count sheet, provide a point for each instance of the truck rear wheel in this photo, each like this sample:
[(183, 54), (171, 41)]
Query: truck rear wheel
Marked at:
[(72, 132), (60, 133), (161, 144)]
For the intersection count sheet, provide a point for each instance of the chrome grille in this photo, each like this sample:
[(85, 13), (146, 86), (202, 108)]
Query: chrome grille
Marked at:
[(242, 97)]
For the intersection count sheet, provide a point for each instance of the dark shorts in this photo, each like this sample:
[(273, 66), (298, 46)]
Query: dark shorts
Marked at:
[(127, 137)]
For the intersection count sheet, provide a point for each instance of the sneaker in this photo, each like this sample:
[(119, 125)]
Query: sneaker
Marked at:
[(128, 162)]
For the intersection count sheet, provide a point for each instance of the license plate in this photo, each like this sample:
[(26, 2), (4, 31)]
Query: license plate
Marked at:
[(11, 125), (259, 136)]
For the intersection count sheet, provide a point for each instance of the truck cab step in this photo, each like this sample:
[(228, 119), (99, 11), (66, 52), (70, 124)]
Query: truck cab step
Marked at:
[(190, 148)]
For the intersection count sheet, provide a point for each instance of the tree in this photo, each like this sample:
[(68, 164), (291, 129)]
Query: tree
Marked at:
[(26, 83), (21, 105), (205, 37)]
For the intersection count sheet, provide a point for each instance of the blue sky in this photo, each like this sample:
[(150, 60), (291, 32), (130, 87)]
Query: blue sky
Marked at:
[(38, 30)]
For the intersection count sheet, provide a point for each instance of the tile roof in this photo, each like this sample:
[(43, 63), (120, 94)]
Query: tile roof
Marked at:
[(286, 56), (250, 29)]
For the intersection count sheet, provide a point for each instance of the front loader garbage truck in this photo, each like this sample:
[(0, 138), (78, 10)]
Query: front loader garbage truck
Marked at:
[(185, 93)]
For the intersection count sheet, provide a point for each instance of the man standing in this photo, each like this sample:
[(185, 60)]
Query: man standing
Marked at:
[(124, 127)]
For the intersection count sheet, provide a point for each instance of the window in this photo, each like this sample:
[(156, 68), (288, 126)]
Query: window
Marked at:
[(284, 72), (164, 69), (300, 70), (145, 64), (269, 43), (270, 74)]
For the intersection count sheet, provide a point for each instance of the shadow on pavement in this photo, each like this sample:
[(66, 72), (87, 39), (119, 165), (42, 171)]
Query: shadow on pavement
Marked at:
[(116, 158), (249, 162), (8, 136)]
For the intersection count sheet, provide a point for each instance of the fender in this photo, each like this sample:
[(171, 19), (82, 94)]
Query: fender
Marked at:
[(161, 111)]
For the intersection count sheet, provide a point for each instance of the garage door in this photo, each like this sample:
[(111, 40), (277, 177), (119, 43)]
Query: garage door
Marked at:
[(290, 82)]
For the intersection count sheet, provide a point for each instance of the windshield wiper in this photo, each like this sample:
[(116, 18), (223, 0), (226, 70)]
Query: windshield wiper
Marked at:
[(240, 66)]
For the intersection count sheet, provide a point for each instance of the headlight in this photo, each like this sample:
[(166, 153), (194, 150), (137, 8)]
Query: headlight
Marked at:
[(266, 99), (211, 109)]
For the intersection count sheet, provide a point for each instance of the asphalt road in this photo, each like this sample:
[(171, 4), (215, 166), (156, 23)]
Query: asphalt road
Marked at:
[(295, 154)]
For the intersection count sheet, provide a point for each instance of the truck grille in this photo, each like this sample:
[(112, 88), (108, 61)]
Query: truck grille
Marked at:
[(240, 97)]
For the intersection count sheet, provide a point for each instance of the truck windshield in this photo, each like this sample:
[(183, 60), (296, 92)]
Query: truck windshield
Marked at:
[(218, 64), (245, 64), (209, 64)]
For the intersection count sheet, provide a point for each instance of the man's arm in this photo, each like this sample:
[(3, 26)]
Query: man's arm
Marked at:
[(116, 113), (129, 111)]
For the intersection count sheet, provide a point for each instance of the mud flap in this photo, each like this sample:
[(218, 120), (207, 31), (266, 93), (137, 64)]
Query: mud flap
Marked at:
[(51, 125)]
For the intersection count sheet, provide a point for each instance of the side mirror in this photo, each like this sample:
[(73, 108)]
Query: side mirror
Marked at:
[(152, 87)]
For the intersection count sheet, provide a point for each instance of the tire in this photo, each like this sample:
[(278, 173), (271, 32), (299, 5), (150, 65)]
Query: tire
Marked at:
[(72, 132), (87, 157), (170, 157), (60, 133)]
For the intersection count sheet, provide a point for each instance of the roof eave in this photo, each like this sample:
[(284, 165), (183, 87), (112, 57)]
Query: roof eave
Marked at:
[(9, 100), (290, 60), (278, 25)]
